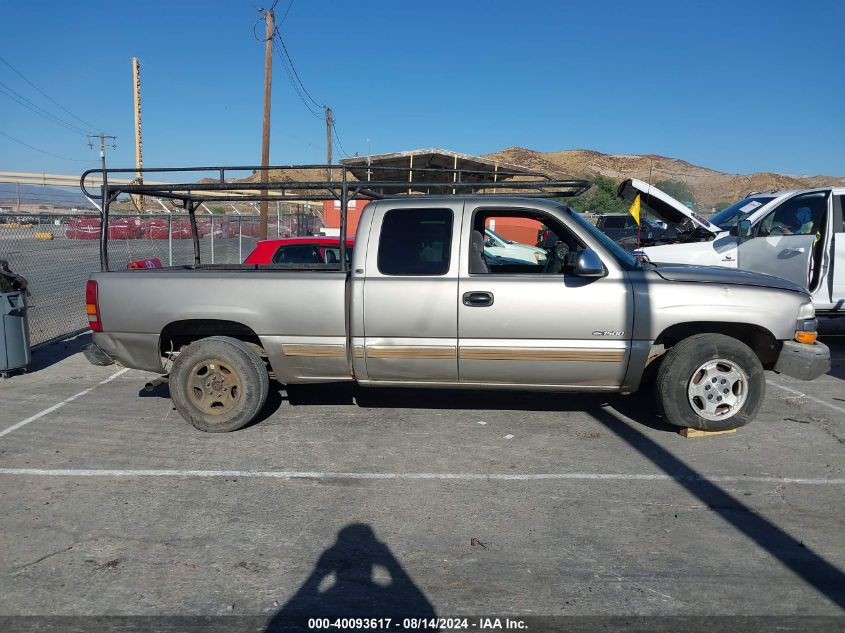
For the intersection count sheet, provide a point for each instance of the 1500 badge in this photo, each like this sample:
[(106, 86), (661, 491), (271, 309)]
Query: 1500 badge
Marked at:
[(608, 333)]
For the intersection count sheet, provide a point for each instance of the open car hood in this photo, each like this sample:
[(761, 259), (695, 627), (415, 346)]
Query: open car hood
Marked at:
[(662, 206)]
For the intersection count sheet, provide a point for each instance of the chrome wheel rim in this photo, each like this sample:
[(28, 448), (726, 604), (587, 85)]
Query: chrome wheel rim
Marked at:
[(214, 387), (718, 389)]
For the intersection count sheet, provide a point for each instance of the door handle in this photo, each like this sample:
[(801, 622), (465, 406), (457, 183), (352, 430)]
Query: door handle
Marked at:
[(792, 251), (478, 299)]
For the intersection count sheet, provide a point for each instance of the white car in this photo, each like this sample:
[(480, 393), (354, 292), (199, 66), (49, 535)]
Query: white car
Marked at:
[(796, 234), (497, 246)]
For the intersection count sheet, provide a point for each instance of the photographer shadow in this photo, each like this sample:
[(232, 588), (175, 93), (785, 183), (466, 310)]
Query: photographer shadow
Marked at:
[(357, 577)]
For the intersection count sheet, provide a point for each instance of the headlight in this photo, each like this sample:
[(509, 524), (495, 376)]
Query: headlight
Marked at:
[(539, 257), (807, 311)]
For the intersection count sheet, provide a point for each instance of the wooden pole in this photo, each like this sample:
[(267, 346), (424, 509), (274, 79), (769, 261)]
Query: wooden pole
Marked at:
[(328, 142), (269, 18), (139, 159)]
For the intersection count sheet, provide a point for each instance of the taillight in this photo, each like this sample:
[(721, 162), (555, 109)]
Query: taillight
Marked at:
[(92, 306)]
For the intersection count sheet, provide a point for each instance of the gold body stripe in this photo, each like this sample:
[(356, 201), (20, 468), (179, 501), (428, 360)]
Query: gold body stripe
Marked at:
[(323, 351), (411, 352), (527, 353), (422, 352)]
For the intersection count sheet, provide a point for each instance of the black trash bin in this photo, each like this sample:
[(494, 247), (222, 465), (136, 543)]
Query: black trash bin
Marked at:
[(14, 328)]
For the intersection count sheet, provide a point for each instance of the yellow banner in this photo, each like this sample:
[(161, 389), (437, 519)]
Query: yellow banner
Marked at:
[(635, 208)]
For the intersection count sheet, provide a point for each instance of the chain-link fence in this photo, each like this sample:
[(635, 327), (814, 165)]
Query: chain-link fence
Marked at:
[(57, 253)]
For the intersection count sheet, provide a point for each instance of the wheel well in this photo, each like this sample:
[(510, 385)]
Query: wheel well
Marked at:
[(759, 339), (178, 334)]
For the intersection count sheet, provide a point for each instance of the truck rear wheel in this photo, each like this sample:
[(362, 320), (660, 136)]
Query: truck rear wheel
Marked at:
[(219, 384), (710, 382)]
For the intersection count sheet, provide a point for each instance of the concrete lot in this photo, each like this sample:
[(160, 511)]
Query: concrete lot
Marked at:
[(111, 504)]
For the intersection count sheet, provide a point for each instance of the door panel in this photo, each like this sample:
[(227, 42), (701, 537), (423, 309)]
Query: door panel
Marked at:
[(786, 236), (545, 331), (410, 320), (549, 329), (785, 256)]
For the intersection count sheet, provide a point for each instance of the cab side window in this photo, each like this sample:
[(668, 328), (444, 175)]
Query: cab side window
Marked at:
[(522, 242), (801, 215), (415, 242)]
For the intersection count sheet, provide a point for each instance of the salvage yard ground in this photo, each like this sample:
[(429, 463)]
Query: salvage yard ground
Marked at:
[(469, 503)]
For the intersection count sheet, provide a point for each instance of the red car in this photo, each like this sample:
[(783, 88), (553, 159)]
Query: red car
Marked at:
[(299, 250)]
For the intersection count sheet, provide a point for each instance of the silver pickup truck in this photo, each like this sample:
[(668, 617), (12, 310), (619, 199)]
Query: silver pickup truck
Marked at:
[(422, 306)]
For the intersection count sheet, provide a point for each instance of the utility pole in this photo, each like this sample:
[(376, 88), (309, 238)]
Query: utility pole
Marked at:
[(18, 189), (102, 138), (92, 138), (270, 19), (139, 160), (328, 142)]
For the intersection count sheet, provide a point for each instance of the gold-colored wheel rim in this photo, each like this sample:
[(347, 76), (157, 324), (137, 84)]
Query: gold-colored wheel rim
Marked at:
[(214, 387)]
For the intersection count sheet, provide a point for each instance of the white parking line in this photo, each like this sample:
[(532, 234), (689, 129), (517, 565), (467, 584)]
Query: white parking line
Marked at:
[(294, 474), (59, 405), (801, 394)]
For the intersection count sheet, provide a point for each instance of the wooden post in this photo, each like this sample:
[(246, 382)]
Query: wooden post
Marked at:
[(139, 159), (269, 18), (328, 142)]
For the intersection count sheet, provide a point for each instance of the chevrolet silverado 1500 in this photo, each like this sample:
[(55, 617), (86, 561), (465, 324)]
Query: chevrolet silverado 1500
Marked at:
[(421, 306)]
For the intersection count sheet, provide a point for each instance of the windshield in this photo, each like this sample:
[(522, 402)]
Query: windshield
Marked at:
[(624, 257), (726, 218)]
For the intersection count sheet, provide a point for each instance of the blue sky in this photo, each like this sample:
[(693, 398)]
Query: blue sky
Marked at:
[(737, 86)]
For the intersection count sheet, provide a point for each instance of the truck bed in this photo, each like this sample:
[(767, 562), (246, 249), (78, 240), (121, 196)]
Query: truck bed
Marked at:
[(289, 311)]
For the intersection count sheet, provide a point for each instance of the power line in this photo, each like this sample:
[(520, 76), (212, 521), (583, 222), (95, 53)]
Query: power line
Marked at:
[(296, 85), (29, 105), (296, 74), (337, 138), (48, 97), (296, 81), (32, 147), (287, 12)]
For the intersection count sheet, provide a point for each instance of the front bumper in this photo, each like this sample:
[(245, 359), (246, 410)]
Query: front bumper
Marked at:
[(803, 361)]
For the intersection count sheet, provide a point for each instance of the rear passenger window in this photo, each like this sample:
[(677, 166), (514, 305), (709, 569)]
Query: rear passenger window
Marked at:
[(415, 242)]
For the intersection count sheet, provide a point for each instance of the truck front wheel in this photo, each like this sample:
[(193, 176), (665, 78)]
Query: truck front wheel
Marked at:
[(219, 384), (710, 382)]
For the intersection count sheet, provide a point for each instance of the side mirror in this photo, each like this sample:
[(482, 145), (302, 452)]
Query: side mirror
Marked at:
[(741, 229), (588, 264), (489, 242)]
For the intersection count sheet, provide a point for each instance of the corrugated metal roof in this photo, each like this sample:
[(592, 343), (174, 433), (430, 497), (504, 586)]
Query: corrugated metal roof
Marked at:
[(409, 166)]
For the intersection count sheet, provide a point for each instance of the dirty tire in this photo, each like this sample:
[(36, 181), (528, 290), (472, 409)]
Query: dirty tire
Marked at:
[(219, 384), (675, 383)]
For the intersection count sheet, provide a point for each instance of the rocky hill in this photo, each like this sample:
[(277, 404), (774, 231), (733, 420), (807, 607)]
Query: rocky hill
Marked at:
[(709, 186)]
